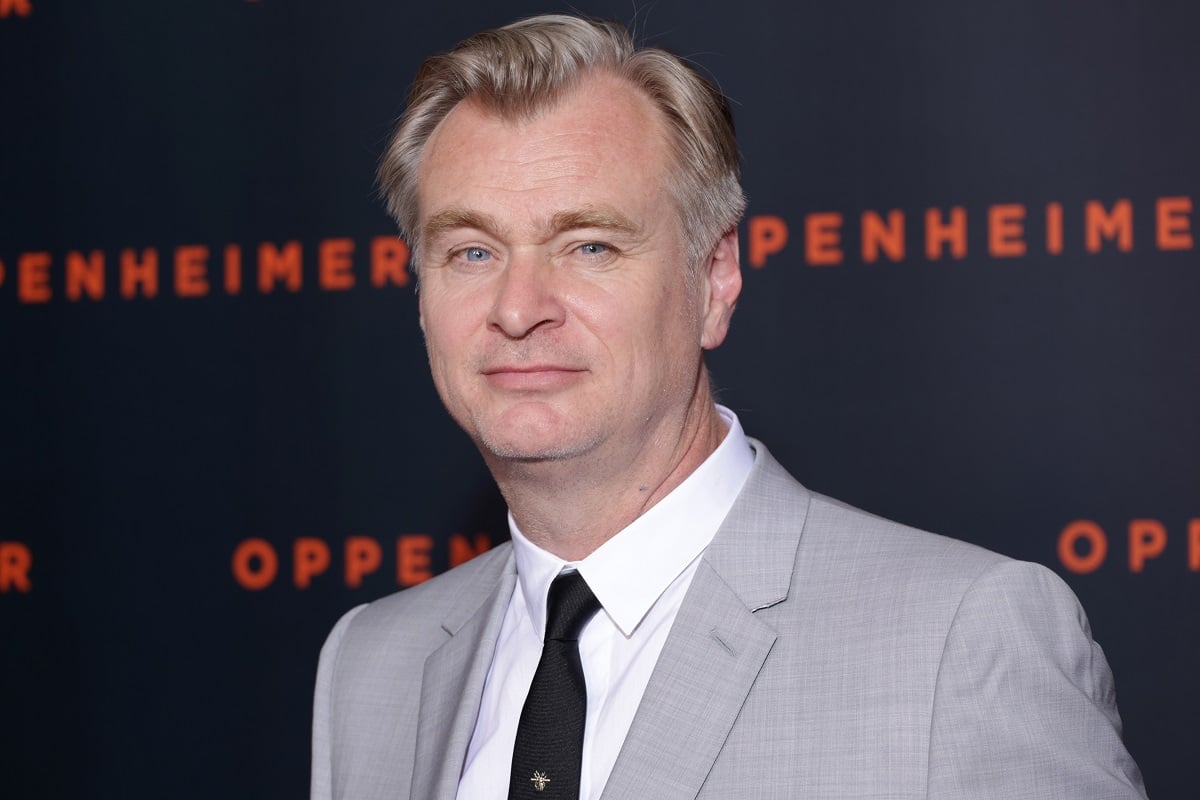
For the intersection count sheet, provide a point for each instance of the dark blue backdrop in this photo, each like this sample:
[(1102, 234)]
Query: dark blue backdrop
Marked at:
[(146, 440)]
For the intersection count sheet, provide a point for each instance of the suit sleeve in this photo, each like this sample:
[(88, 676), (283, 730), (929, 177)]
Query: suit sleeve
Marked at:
[(1024, 705), (322, 732)]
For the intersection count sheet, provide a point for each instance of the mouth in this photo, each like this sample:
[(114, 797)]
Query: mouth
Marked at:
[(531, 377)]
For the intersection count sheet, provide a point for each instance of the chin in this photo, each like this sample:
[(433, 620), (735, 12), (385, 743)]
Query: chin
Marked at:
[(533, 442), (527, 431), (530, 448)]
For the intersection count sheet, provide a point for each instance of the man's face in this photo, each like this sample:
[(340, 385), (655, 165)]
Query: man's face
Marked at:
[(554, 296)]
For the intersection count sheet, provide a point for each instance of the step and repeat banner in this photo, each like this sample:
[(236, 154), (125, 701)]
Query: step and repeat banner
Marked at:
[(971, 304)]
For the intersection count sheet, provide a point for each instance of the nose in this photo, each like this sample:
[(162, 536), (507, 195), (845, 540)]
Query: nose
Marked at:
[(526, 298)]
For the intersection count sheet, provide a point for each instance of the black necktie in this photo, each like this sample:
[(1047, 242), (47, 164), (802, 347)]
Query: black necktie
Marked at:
[(549, 747)]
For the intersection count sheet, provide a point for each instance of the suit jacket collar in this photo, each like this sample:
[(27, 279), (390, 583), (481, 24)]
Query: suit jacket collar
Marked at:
[(717, 646), (754, 551), (453, 680)]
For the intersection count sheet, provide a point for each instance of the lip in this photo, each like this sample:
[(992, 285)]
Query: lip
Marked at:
[(531, 377)]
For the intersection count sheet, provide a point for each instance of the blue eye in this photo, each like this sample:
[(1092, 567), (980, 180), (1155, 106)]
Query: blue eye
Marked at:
[(593, 249), (476, 254)]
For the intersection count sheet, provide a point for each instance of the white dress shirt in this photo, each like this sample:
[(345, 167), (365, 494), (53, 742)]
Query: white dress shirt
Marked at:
[(640, 577)]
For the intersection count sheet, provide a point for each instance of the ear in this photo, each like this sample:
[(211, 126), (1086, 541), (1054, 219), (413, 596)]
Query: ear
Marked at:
[(722, 283)]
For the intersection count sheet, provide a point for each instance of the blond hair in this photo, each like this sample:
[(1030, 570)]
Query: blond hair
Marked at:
[(522, 69)]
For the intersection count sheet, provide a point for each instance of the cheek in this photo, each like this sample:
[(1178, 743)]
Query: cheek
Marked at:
[(446, 351), (657, 345), (678, 319), (440, 345), (446, 367), (443, 321)]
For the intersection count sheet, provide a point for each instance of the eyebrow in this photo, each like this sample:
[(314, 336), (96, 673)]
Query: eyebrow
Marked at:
[(456, 218), (603, 218)]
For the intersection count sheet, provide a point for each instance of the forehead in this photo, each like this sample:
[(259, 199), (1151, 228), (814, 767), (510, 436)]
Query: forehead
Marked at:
[(603, 142)]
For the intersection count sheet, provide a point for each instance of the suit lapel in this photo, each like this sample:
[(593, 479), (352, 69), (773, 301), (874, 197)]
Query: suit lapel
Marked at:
[(453, 685), (717, 645), (706, 669)]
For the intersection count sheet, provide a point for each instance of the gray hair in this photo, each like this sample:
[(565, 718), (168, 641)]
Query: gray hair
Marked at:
[(522, 69)]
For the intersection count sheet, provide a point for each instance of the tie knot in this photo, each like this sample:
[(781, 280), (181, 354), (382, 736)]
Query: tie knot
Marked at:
[(569, 605)]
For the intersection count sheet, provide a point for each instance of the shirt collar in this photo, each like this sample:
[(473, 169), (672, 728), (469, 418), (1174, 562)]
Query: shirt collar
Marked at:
[(630, 571)]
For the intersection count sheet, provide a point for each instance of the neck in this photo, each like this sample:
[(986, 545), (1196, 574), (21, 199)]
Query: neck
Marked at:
[(571, 507)]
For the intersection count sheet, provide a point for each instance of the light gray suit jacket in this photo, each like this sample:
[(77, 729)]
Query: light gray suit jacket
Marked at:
[(820, 652)]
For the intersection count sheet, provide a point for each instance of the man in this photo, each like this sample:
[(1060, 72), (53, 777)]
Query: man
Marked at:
[(573, 207)]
